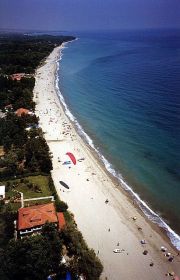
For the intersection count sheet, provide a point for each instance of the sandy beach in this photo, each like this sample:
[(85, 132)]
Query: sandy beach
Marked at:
[(105, 226)]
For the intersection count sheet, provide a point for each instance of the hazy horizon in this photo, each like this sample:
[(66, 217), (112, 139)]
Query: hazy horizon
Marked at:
[(70, 15), (87, 30)]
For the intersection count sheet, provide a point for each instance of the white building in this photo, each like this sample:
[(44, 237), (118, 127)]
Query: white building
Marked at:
[(2, 192)]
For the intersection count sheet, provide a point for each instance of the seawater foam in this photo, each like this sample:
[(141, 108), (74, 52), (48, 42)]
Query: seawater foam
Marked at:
[(174, 237)]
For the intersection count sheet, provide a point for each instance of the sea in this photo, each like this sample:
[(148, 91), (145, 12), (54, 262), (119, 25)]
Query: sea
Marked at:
[(122, 91)]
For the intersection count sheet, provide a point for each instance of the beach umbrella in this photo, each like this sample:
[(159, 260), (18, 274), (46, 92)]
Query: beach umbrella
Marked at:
[(72, 157)]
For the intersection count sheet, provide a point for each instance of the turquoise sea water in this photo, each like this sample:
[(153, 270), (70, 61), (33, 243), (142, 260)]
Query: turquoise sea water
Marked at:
[(123, 88)]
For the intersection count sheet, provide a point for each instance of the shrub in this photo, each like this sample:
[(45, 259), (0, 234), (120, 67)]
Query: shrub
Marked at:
[(8, 186), (61, 206), (30, 185), (84, 260)]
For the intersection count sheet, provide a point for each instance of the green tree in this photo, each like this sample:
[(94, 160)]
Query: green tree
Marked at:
[(11, 162), (38, 148), (61, 206), (83, 260), (7, 143), (33, 257), (52, 239), (89, 265)]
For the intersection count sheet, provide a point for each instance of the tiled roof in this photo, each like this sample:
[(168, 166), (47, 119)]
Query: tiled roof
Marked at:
[(21, 111), (61, 220), (17, 76), (37, 215)]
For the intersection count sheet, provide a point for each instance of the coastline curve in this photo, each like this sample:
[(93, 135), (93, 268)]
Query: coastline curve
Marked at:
[(148, 212)]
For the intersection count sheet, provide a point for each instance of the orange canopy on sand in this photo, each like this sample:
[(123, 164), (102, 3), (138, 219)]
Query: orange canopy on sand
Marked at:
[(72, 157)]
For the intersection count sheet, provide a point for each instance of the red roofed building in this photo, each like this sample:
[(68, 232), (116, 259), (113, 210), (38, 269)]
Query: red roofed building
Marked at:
[(22, 111), (61, 220), (17, 76), (31, 219)]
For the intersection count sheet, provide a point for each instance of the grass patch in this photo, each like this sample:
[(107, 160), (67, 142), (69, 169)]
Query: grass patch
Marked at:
[(31, 187), (28, 185), (40, 181)]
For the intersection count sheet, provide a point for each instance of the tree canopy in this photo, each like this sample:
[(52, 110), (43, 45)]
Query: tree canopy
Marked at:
[(23, 53), (34, 257)]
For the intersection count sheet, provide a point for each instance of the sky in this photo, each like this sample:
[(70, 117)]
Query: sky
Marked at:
[(56, 15)]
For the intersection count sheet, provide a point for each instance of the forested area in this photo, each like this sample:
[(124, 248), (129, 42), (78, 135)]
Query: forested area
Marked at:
[(25, 150), (38, 256), (18, 94), (20, 53)]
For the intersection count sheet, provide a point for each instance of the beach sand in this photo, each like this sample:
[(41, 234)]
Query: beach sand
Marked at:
[(105, 226)]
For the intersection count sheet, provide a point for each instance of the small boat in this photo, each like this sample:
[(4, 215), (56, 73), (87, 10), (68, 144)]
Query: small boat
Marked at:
[(64, 184)]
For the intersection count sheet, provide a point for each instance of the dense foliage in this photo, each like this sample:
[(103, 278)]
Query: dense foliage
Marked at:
[(25, 151), (17, 93), (23, 53), (33, 257), (83, 260), (39, 256)]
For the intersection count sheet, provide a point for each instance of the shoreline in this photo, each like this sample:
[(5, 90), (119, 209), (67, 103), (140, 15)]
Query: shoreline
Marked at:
[(115, 176), (86, 199)]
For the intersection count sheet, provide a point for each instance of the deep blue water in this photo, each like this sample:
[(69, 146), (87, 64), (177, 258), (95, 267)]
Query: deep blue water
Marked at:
[(124, 90)]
